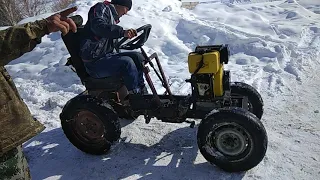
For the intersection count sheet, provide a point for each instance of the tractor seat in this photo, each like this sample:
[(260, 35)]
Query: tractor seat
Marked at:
[(72, 42), (112, 83)]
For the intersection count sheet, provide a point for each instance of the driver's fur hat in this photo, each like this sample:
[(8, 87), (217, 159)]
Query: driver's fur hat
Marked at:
[(126, 3)]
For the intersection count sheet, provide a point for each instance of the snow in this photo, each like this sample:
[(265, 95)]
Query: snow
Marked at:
[(275, 46)]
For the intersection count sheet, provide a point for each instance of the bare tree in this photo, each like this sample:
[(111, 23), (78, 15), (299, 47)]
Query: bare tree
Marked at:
[(12, 11), (61, 4), (32, 7), (9, 13)]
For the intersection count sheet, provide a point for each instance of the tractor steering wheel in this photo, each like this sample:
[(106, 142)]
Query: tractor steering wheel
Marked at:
[(138, 41)]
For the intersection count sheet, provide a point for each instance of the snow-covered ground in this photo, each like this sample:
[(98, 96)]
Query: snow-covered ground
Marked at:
[(275, 46)]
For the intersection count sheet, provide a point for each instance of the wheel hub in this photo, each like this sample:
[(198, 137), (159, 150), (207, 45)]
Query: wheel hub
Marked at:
[(88, 126), (231, 141)]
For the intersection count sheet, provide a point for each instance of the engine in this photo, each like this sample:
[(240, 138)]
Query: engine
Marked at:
[(208, 78)]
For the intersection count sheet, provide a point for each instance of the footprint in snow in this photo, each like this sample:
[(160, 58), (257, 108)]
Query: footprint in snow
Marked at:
[(167, 9), (317, 12), (242, 61), (314, 29), (269, 68), (291, 15)]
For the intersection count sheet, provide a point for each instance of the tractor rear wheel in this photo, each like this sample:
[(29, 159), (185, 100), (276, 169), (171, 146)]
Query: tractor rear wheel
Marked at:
[(90, 124)]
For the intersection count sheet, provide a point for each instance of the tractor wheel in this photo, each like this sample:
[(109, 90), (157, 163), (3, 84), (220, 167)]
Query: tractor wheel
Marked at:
[(255, 103), (233, 139), (90, 124)]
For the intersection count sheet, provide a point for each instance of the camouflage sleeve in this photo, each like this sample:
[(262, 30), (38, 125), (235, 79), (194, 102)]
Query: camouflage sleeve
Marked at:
[(17, 40)]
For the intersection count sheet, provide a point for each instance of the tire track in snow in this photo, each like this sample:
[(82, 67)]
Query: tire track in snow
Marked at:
[(286, 55), (238, 43)]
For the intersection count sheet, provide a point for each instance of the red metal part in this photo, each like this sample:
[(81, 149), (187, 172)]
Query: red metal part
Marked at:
[(163, 78)]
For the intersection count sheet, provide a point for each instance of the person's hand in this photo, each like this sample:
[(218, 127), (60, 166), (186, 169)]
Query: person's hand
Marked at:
[(130, 33), (60, 22)]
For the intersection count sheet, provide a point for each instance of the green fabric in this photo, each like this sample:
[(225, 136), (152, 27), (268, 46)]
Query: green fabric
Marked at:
[(13, 165)]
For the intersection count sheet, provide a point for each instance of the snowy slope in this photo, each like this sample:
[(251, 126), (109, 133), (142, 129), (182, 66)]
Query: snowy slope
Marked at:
[(275, 46)]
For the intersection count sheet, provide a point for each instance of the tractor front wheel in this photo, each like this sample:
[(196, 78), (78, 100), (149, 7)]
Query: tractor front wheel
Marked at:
[(233, 139), (255, 102)]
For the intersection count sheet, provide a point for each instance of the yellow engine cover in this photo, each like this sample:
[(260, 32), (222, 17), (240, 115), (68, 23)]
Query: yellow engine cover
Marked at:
[(211, 62)]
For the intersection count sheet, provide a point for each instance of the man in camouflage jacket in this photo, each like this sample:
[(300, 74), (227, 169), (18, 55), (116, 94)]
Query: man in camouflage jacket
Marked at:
[(16, 122)]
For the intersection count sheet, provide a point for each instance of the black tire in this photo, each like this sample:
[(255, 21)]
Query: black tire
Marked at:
[(90, 124), (255, 100), (244, 128)]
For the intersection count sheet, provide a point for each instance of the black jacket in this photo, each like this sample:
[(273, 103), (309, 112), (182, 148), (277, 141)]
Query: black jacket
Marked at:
[(101, 32)]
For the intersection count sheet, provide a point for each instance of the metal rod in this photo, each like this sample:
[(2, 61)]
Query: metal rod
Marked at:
[(148, 78), (150, 83), (163, 77)]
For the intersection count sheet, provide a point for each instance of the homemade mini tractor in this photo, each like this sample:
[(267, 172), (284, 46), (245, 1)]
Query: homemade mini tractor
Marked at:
[(230, 134)]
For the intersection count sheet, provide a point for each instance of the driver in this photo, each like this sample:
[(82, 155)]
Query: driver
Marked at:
[(98, 48)]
